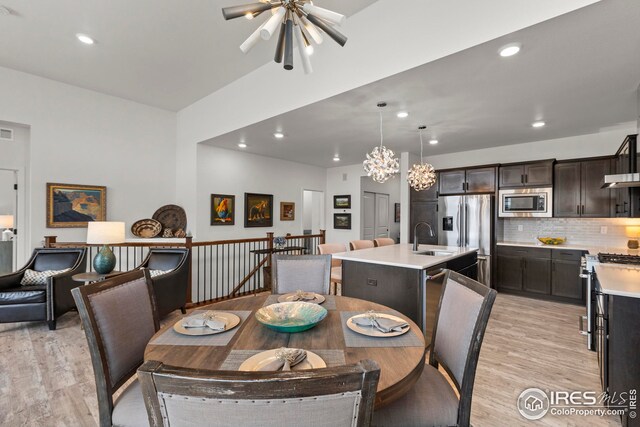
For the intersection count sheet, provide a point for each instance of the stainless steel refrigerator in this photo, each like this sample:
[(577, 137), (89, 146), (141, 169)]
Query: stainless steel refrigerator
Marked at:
[(465, 221)]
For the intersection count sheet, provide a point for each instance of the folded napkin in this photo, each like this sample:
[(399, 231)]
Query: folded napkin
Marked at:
[(286, 358), (204, 320), (303, 296), (380, 323)]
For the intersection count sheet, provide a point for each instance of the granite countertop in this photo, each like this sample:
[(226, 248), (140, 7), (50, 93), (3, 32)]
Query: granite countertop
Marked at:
[(402, 255), (617, 279), (592, 249)]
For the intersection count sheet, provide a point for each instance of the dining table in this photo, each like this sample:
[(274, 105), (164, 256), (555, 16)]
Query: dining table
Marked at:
[(401, 358)]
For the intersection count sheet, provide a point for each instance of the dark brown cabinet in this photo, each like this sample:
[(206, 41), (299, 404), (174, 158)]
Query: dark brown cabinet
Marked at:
[(540, 273), (577, 192), (537, 174), (626, 201), (424, 208), (468, 181)]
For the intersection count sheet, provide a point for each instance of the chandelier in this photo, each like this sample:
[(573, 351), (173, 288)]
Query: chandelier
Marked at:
[(422, 176), (381, 163), (298, 19)]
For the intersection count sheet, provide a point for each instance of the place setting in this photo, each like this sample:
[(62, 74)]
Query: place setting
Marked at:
[(376, 329), (299, 295), (283, 359)]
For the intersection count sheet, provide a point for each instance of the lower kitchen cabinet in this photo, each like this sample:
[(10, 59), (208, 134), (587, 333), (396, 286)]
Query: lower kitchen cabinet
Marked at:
[(540, 273)]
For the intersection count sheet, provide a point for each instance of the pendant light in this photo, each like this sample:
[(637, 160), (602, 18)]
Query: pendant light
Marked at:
[(381, 163), (422, 176)]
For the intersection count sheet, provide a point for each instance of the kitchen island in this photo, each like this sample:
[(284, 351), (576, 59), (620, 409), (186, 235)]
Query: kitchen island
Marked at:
[(397, 277)]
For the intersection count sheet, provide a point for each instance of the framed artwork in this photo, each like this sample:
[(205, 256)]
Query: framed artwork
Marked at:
[(342, 202), (73, 206), (397, 212), (342, 221), (287, 211), (258, 210), (223, 209)]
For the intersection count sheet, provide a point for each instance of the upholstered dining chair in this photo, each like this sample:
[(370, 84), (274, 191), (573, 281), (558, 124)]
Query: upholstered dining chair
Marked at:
[(41, 289), (463, 313), (338, 396), (169, 271), (383, 241), (336, 264), (119, 317), (354, 245), (311, 273)]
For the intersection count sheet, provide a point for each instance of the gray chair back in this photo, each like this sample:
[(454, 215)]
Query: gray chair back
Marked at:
[(311, 273), (119, 317), (463, 314), (340, 396)]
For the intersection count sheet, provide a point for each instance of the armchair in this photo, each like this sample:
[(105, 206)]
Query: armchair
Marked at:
[(170, 288), (23, 303)]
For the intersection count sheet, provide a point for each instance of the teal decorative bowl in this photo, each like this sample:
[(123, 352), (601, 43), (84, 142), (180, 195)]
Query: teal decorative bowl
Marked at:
[(290, 317)]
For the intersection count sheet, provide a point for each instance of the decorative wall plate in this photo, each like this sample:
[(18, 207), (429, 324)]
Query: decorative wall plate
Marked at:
[(146, 228), (172, 217)]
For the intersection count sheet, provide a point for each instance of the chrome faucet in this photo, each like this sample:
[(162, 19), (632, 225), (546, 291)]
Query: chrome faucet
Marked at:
[(415, 234)]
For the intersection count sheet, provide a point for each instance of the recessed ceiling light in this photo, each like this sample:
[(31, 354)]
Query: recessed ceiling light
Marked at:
[(510, 49), (402, 114), (336, 158), (433, 141), (279, 135), (84, 38), (538, 124), (242, 145)]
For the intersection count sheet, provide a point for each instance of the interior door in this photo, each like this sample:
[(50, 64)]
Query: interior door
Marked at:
[(368, 215), (382, 215)]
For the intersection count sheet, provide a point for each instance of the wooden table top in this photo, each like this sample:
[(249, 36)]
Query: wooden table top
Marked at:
[(92, 276), (400, 367)]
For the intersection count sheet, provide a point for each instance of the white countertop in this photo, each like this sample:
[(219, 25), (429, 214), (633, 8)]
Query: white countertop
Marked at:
[(592, 249), (617, 279), (402, 255)]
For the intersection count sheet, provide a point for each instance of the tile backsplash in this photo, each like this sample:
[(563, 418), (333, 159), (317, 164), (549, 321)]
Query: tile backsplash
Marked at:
[(576, 230)]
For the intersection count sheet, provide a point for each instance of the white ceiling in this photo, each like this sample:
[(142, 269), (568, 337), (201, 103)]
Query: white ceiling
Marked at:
[(578, 72), (164, 53)]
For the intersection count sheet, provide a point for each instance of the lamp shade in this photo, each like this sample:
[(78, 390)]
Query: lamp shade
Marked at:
[(6, 221), (633, 231), (105, 232)]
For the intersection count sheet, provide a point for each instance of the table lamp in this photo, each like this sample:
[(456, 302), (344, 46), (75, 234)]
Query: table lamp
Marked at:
[(105, 233), (633, 232), (6, 222)]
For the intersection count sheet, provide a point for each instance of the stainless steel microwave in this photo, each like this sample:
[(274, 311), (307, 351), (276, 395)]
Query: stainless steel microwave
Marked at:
[(526, 202)]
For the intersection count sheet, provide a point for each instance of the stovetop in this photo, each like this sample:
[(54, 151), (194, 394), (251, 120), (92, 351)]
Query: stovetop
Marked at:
[(619, 259)]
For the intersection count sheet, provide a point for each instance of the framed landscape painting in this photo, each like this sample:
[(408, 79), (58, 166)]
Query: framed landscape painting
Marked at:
[(258, 210), (342, 221), (287, 211), (342, 202), (223, 209), (70, 205)]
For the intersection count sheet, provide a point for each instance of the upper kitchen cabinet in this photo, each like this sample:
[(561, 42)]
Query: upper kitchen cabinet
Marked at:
[(533, 174), (626, 201), (428, 195), (577, 192), (468, 181)]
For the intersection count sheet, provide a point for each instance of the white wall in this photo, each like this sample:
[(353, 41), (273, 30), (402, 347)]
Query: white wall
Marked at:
[(604, 143), (343, 180), (79, 136), (232, 172), (392, 188)]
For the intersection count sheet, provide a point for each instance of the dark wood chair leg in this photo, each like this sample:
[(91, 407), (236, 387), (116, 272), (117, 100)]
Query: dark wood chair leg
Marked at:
[(52, 325), (183, 310)]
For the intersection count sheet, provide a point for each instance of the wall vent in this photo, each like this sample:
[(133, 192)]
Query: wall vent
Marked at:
[(6, 134)]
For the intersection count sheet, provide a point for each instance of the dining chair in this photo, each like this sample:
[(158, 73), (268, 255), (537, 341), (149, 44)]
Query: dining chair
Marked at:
[(354, 245), (338, 396), (383, 241), (311, 273), (463, 313), (336, 264), (119, 317)]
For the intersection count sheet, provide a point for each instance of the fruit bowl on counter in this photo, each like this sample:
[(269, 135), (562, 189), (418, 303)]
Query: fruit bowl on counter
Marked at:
[(552, 240)]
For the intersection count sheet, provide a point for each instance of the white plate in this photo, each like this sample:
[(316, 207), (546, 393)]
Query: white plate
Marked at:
[(373, 332), (318, 299), (230, 319), (255, 362)]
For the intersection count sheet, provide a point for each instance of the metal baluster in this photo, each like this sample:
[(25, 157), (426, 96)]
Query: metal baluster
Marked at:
[(211, 271)]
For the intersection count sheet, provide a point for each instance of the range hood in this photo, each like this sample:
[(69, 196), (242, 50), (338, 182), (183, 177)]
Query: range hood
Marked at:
[(622, 180)]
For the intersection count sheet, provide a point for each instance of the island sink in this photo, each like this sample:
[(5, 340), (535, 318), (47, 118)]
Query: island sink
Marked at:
[(434, 253)]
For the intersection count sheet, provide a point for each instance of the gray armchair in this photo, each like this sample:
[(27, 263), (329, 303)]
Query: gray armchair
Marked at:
[(48, 301), (170, 288)]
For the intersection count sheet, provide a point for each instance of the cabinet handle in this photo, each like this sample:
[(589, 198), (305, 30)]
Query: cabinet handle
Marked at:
[(526, 178), (521, 179), (578, 209), (617, 208), (624, 209)]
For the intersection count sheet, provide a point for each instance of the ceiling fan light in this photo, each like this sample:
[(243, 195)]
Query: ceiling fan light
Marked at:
[(327, 15), (245, 9), (271, 25), (304, 54), (336, 35)]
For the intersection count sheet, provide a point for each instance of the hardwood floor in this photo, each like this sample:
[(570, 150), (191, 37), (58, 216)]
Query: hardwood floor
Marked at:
[(46, 378)]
